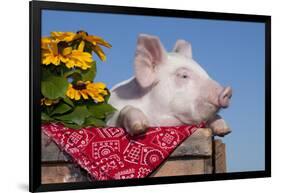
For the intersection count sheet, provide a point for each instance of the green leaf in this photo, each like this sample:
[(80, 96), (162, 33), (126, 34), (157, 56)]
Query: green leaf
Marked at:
[(90, 73), (68, 101), (54, 87), (91, 121), (45, 117), (61, 109), (84, 75), (71, 125), (70, 73), (45, 73), (106, 97), (100, 111), (77, 116)]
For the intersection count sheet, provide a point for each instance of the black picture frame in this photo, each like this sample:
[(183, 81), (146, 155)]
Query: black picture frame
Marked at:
[(35, 57)]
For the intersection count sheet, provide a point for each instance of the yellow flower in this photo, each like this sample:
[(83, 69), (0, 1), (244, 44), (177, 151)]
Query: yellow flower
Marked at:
[(87, 89), (48, 102), (95, 41), (50, 53), (63, 36), (45, 41), (54, 52), (78, 58)]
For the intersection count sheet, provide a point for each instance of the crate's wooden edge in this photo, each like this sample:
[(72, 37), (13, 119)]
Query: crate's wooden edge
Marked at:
[(62, 173), (198, 144), (70, 172), (50, 151), (220, 156)]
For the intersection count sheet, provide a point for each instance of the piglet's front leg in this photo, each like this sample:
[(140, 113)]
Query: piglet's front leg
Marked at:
[(133, 120), (219, 126)]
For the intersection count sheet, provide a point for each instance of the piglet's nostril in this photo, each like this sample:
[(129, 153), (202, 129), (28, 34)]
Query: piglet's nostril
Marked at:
[(225, 96)]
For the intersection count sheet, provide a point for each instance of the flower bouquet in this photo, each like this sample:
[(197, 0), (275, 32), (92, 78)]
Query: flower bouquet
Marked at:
[(69, 94)]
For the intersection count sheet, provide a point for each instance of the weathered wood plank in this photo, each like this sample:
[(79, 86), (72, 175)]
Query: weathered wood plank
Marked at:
[(220, 156), (61, 173), (208, 165), (67, 172), (198, 144), (180, 167), (50, 151)]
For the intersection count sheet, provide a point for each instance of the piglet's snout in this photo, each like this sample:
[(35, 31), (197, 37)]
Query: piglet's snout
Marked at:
[(224, 97)]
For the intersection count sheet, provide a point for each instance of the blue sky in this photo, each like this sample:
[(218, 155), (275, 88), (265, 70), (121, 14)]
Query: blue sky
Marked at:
[(231, 52)]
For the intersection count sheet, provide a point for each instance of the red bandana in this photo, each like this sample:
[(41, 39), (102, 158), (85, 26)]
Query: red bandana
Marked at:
[(110, 153)]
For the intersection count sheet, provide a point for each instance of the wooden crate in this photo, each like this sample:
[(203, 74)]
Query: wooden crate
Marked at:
[(199, 154)]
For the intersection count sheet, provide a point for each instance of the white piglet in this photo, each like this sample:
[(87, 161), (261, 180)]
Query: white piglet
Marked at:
[(168, 89)]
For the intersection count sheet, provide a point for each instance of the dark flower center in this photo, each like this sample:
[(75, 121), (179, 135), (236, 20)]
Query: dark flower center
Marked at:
[(82, 32), (79, 86), (61, 46)]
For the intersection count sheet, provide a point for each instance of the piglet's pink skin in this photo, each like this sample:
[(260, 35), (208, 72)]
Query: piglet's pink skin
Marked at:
[(168, 89)]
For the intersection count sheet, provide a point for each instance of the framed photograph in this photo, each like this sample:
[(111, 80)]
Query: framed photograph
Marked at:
[(126, 96)]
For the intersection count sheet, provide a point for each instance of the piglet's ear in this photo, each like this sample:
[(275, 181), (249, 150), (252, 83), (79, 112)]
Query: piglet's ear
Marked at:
[(184, 48), (149, 54)]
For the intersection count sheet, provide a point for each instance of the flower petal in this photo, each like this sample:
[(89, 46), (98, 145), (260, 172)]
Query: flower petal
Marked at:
[(63, 36), (97, 40), (67, 51), (97, 49), (81, 46)]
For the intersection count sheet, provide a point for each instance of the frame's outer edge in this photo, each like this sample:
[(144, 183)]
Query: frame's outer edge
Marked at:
[(35, 8), (31, 159), (34, 92), (66, 6), (268, 96)]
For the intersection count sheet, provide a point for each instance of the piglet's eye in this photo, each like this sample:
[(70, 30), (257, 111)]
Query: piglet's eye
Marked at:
[(184, 76)]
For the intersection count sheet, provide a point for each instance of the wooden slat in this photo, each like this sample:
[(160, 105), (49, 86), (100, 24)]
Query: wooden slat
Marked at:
[(61, 173), (198, 144), (50, 151), (67, 172), (208, 165), (180, 167), (220, 156)]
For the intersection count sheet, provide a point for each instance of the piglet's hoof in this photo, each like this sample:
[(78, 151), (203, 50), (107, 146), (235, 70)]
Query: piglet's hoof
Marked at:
[(221, 132), (219, 126), (133, 120), (137, 129)]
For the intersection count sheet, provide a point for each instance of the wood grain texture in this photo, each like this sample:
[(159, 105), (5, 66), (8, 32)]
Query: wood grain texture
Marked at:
[(50, 151), (61, 173), (180, 167), (208, 165), (67, 172), (198, 144), (220, 156)]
